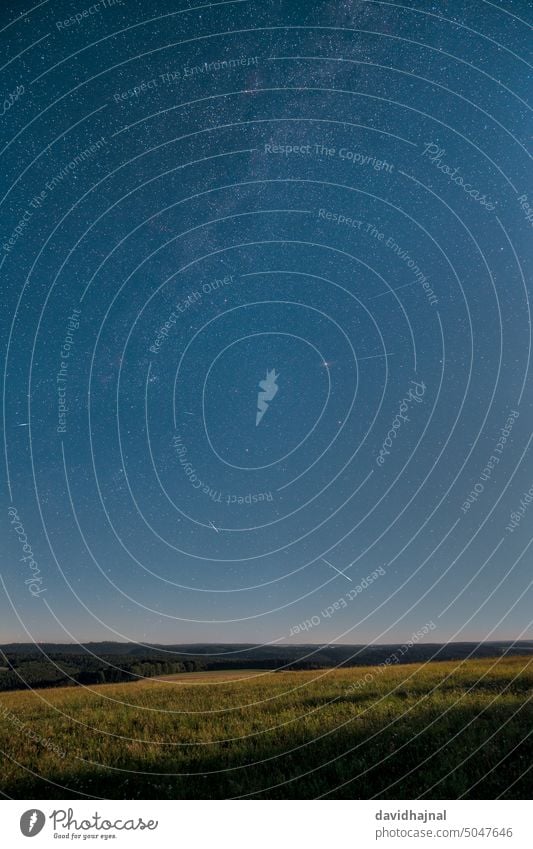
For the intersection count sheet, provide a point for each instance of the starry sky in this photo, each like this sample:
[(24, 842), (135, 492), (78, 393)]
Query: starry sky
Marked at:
[(316, 211)]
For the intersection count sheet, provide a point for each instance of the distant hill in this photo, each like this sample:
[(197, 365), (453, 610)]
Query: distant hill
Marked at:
[(335, 651), (56, 664)]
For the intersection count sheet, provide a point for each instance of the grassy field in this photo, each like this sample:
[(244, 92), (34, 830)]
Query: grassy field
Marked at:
[(439, 730)]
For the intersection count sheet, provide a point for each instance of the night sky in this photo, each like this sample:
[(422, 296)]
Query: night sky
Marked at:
[(266, 323)]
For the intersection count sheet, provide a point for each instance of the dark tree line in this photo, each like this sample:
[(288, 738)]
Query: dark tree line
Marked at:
[(59, 665), (35, 671)]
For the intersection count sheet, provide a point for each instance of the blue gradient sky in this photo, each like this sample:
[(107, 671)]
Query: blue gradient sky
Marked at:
[(276, 187)]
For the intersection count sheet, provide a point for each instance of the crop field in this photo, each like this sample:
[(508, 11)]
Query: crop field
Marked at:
[(209, 677), (434, 731)]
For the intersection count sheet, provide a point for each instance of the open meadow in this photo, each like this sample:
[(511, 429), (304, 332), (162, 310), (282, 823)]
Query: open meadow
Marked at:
[(434, 730)]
